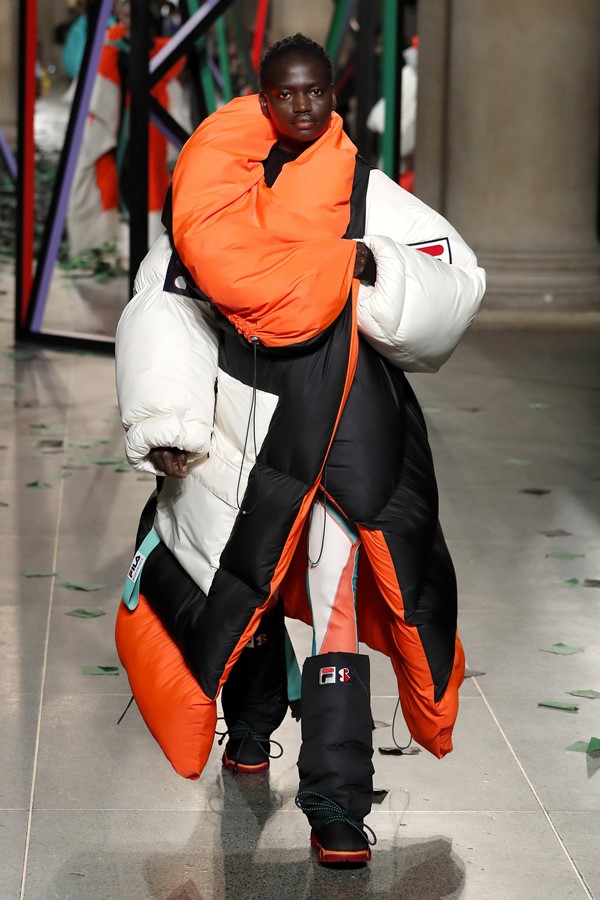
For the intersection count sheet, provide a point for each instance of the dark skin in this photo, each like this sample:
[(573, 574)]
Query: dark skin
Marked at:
[(299, 100)]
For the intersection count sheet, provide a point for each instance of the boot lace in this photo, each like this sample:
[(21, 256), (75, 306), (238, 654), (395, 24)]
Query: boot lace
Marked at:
[(241, 731), (337, 813)]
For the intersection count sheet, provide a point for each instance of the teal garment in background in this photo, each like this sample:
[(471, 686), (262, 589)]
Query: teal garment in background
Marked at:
[(75, 45)]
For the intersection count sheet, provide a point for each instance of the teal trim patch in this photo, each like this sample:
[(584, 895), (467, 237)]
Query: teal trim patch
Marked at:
[(131, 589), (294, 679)]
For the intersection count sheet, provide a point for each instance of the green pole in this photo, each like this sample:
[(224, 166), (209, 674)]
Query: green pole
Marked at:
[(206, 79), (243, 48), (221, 26), (391, 132), (333, 38)]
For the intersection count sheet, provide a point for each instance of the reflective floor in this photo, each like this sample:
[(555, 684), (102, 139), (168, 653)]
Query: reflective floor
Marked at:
[(92, 811)]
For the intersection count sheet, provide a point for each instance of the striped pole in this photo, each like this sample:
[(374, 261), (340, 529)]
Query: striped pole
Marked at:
[(392, 84), (260, 25), (26, 159)]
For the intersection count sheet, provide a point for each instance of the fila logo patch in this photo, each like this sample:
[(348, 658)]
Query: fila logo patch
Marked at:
[(136, 566), (440, 249), (331, 675), (257, 640)]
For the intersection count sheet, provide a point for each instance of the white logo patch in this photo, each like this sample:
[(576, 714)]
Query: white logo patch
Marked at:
[(136, 566)]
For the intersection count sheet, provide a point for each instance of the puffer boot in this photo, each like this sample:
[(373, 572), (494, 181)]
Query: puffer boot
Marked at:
[(335, 761), (254, 697)]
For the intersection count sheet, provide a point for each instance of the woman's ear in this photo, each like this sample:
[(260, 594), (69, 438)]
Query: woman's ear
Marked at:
[(264, 107)]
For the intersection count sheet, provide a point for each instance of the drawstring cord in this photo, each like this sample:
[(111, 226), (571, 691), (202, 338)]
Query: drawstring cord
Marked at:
[(251, 420), (122, 716), (315, 562), (336, 812)]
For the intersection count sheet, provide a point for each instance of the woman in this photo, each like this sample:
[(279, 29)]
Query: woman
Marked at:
[(299, 476)]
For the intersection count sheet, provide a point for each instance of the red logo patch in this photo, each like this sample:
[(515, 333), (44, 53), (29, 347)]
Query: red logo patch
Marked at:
[(327, 675)]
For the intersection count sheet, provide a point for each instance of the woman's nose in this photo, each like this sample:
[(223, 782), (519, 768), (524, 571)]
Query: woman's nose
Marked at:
[(301, 103)]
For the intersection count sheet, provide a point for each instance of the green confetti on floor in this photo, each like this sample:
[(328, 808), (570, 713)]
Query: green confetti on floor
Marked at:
[(591, 747), (108, 460), (40, 574), (559, 704), (82, 585), (516, 461), (539, 406), (537, 492), (85, 445), (571, 582), (86, 613), (100, 670), (432, 409), (51, 443), (562, 649), (564, 554), (146, 478), (123, 468), (557, 532), (38, 484), (579, 746), (591, 695)]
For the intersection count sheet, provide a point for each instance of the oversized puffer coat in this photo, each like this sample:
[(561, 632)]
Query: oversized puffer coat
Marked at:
[(263, 428)]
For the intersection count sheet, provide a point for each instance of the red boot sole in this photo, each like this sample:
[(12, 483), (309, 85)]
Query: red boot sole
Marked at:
[(333, 857), (241, 768)]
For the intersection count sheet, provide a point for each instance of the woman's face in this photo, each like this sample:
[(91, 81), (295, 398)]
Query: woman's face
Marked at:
[(298, 99)]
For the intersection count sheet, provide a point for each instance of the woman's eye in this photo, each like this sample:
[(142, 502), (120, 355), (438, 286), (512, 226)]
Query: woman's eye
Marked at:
[(284, 95), (316, 92)]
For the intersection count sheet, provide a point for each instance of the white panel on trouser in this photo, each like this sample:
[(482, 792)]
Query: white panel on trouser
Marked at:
[(331, 544)]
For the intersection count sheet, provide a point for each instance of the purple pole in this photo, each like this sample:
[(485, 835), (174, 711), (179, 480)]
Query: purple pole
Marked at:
[(181, 34), (9, 159), (68, 161), (169, 133)]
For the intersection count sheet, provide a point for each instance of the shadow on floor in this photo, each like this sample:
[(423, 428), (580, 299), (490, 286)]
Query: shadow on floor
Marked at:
[(241, 870)]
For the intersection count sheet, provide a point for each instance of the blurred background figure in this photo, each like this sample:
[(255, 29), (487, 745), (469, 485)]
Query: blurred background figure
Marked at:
[(75, 38), (408, 114), (98, 203)]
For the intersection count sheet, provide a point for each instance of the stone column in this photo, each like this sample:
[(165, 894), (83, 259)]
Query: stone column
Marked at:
[(311, 17), (9, 61), (508, 142)]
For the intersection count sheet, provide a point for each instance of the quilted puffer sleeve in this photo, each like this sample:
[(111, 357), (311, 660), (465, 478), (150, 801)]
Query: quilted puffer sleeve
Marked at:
[(421, 304), (166, 366)]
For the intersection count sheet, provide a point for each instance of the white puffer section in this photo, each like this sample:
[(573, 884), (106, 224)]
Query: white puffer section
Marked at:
[(420, 307), (166, 366), (195, 514)]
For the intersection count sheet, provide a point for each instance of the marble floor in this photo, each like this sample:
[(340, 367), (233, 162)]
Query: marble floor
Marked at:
[(92, 811)]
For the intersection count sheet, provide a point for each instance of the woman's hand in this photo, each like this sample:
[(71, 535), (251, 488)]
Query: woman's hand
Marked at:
[(169, 460), (361, 259)]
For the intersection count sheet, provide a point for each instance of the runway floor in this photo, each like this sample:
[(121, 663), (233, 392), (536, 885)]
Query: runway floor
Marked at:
[(92, 811)]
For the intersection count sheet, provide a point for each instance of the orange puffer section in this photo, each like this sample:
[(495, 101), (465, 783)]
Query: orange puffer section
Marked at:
[(272, 259), (430, 723), (175, 709)]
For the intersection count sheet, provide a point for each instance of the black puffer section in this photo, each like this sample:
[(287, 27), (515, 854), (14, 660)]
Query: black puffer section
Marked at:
[(379, 470)]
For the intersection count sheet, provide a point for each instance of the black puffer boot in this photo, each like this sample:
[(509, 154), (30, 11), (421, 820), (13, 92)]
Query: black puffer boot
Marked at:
[(254, 697), (335, 761)]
